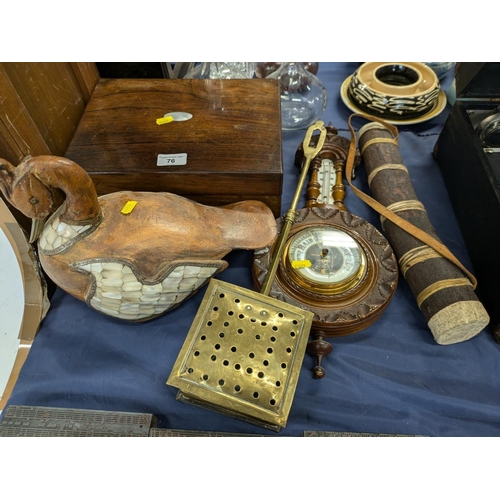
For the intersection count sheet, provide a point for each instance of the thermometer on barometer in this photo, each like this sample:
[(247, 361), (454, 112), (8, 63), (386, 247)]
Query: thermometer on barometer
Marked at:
[(326, 179)]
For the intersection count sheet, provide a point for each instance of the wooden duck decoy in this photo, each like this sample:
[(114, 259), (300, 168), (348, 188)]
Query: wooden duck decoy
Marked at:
[(132, 266)]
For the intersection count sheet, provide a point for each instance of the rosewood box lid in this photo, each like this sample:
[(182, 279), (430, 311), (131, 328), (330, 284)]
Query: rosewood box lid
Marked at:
[(228, 151)]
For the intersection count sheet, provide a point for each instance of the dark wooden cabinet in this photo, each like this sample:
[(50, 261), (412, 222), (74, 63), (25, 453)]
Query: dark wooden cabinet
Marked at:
[(41, 106)]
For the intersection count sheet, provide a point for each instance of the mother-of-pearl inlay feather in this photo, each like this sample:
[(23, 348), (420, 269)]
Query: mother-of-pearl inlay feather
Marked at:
[(119, 293), (56, 235)]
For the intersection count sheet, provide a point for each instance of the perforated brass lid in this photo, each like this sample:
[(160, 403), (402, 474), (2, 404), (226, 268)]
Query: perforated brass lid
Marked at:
[(242, 355)]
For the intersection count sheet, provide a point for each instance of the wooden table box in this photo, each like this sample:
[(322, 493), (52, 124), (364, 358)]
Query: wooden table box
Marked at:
[(231, 146)]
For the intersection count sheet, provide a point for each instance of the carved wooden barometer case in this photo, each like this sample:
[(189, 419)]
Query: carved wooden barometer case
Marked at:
[(335, 264)]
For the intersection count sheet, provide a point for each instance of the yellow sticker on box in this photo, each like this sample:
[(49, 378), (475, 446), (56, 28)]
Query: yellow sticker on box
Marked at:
[(165, 119)]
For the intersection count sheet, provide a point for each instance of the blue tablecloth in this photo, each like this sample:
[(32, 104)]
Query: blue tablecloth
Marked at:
[(390, 378)]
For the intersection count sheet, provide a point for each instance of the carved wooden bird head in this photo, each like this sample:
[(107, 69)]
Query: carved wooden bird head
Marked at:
[(22, 188)]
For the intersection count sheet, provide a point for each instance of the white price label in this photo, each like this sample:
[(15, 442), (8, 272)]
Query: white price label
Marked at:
[(171, 160)]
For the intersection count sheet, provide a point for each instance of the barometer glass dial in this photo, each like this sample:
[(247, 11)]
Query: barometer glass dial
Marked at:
[(325, 258)]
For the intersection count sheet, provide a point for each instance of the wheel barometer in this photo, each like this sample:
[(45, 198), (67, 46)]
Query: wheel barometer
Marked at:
[(335, 264)]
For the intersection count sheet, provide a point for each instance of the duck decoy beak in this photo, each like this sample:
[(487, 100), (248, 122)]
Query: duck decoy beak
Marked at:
[(36, 228)]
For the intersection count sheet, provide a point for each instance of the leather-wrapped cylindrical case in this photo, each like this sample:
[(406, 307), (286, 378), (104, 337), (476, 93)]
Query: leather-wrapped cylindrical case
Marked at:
[(443, 292)]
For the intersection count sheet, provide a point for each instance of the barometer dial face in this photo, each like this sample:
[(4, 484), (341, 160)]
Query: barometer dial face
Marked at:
[(327, 258)]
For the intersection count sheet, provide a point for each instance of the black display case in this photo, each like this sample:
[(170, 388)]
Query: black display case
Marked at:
[(468, 153)]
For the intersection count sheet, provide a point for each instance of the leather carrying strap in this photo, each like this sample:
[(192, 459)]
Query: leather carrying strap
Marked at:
[(388, 214)]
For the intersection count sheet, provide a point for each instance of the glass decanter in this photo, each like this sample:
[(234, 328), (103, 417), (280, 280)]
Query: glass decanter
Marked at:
[(303, 96), (221, 70)]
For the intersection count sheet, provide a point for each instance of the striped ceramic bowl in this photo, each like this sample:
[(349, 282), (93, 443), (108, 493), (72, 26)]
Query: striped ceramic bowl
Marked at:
[(394, 90)]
